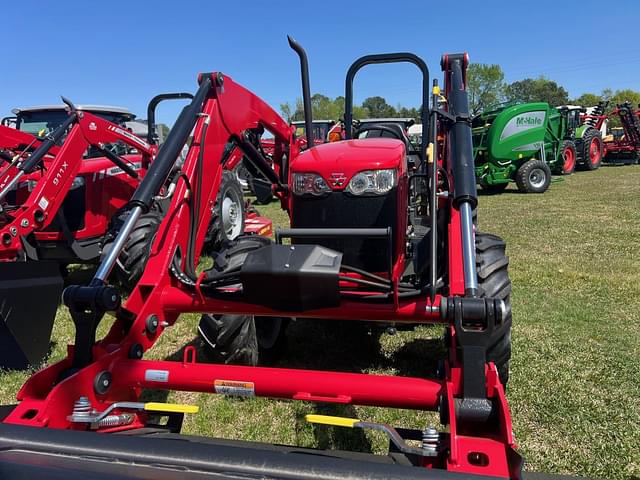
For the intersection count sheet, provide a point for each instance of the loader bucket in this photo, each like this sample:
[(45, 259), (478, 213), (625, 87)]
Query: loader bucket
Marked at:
[(29, 296)]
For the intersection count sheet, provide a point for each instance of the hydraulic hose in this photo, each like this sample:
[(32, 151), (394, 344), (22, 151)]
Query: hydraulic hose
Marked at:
[(161, 167)]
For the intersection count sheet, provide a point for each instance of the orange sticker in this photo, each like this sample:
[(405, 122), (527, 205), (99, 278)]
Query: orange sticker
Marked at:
[(234, 388)]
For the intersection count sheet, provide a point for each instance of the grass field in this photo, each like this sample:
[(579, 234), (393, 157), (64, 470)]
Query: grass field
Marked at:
[(575, 384)]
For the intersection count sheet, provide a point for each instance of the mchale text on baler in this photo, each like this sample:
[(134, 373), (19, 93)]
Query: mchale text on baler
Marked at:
[(433, 269), (59, 193)]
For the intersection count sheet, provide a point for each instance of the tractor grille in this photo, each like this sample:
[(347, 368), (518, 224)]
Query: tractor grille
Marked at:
[(341, 210)]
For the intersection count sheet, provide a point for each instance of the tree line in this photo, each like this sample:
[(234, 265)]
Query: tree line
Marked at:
[(486, 87), (326, 108)]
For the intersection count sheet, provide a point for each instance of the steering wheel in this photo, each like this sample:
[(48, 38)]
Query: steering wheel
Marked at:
[(380, 128)]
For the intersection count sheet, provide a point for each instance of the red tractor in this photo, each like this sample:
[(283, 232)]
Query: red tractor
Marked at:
[(373, 238), (67, 172)]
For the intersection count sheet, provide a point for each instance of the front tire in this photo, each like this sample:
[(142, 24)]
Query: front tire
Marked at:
[(592, 149), (533, 176), (493, 281), (135, 253), (242, 339), (569, 157)]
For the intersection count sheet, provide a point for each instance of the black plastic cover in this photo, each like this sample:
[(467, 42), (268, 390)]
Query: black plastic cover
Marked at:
[(292, 277)]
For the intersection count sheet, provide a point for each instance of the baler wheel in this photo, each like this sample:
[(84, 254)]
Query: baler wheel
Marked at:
[(493, 280), (242, 339), (592, 145), (568, 157), (227, 221), (534, 176)]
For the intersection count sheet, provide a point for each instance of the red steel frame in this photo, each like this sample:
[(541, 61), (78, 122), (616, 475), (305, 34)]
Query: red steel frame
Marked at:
[(616, 146), (231, 109)]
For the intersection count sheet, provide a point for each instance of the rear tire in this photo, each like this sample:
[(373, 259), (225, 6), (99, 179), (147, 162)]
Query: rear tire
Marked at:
[(592, 149), (493, 281), (135, 253), (569, 157), (533, 176), (227, 220), (242, 339)]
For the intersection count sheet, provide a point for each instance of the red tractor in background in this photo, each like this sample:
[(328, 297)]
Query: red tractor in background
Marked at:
[(67, 174), (373, 237)]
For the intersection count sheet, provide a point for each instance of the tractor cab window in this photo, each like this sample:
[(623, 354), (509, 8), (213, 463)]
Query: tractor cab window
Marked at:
[(573, 119), (40, 123)]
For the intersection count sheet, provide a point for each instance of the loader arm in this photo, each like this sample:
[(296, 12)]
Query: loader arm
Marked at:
[(40, 208), (15, 145)]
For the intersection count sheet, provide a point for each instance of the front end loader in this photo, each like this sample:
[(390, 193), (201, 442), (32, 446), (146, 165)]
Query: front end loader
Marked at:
[(373, 237)]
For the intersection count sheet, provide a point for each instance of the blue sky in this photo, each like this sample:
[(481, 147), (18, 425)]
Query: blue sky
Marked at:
[(123, 53)]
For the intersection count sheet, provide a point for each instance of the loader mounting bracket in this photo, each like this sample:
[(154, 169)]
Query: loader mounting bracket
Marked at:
[(474, 321), (87, 305)]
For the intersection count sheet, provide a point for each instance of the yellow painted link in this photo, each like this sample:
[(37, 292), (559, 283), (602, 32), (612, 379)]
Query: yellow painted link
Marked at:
[(170, 407), (329, 420)]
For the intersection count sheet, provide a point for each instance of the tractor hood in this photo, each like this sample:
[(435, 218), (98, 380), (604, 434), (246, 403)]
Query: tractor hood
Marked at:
[(350, 157)]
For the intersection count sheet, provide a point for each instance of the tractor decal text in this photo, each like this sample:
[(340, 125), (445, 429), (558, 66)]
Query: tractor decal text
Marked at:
[(60, 173), (523, 122), (129, 135)]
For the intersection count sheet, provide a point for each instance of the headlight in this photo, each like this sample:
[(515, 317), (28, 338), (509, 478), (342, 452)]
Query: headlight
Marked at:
[(309, 183), (77, 183), (376, 182)]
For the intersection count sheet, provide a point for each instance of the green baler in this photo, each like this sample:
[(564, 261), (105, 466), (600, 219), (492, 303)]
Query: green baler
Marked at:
[(508, 145)]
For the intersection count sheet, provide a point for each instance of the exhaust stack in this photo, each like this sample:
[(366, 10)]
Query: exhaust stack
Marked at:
[(306, 95)]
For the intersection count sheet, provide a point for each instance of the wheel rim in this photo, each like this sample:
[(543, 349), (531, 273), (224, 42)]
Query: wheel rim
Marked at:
[(231, 215), (242, 175), (569, 160), (268, 331), (595, 152), (537, 177)]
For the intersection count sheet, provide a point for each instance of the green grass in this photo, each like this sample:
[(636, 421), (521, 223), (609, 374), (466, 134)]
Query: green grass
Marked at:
[(575, 385)]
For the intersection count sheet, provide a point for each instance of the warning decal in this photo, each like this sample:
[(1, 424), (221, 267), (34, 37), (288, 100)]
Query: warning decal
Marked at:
[(232, 387)]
